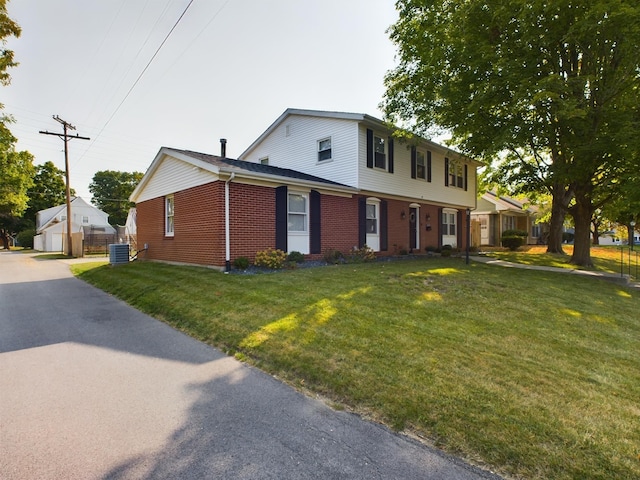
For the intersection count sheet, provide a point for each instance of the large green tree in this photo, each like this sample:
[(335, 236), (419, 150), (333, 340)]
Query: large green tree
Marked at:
[(110, 193), (16, 168), (548, 89), (16, 176), (48, 190)]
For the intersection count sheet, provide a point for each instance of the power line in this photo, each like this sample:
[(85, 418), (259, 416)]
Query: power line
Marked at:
[(140, 76)]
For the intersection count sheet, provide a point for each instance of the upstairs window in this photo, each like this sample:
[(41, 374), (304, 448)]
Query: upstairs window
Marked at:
[(324, 150), (169, 208), (264, 161), (420, 165), (85, 219), (379, 152), (456, 173)]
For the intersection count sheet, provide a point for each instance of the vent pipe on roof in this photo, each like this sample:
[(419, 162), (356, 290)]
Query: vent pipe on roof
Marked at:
[(223, 147)]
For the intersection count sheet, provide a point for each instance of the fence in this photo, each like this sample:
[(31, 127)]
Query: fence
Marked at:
[(629, 261)]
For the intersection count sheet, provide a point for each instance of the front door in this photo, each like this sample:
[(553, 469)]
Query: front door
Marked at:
[(413, 229)]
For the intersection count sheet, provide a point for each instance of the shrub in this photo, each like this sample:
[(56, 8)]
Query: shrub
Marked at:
[(271, 258), (515, 233), (446, 250), (241, 263), (295, 257), (333, 256), (430, 249), (362, 254), (25, 238), (513, 242)]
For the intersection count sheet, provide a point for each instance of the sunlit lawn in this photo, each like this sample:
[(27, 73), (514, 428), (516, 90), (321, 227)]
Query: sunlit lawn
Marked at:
[(612, 259), (534, 374)]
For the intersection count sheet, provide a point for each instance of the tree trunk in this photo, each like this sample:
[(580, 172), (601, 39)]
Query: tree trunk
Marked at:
[(581, 213), (5, 239), (596, 233), (559, 202)]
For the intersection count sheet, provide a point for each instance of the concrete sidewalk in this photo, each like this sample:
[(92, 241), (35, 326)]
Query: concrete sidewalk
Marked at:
[(612, 277)]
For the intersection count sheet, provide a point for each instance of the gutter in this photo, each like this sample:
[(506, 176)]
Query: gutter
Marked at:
[(227, 244)]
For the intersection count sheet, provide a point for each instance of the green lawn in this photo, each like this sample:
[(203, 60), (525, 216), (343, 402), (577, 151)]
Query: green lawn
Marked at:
[(612, 259), (531, 373)]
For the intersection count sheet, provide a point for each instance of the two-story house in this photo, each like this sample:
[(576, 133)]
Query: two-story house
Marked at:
[(313, 181), (51, 224)]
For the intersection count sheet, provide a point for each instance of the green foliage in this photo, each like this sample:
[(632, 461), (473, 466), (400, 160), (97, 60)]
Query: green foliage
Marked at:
[(271, 258), (8, 28), (333, 256), (295, 257), (547, 90), (512, 242), (362, 255), (48, 189), (515, 233), (241, 263), (25, 238), (111, 191)]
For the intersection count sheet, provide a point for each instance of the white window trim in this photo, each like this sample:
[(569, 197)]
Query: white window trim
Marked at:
[(167, 232), (373, 239), (305, 195), (330, 148), (450, 211), (386, 151), (263, 161)]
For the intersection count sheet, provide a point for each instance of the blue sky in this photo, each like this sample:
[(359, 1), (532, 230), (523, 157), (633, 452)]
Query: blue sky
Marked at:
[(229, 69)]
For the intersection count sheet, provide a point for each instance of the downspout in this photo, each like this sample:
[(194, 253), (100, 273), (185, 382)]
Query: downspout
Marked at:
[(227, 245)]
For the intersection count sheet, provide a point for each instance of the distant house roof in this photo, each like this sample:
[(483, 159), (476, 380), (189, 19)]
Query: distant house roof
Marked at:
[(44, 218), (502, 203)]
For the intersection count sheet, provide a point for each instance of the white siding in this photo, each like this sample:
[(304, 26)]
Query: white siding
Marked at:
[(173, 175), (294, 144), (400, 182)]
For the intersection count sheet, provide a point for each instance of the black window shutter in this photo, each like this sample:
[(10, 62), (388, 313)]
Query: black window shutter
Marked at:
[(446, 172), (281, 218), (459, 229), (314, 200), (428, 166), (362, 222), (465, 178), (384, 234), (440, 228), (390, 154), (413, 162), (369, 148)]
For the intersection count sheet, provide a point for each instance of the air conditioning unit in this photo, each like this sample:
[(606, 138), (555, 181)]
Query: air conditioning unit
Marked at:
[(118, 253)]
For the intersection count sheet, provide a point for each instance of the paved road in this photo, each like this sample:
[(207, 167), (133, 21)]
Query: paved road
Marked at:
[(93, 389)]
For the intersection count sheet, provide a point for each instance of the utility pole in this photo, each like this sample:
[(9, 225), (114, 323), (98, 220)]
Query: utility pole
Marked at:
[(65, 137)]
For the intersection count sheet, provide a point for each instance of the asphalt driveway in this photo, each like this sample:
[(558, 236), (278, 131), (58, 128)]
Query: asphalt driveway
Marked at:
[(90, 388)]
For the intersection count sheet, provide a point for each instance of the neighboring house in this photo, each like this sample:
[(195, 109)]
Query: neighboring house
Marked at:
[(313, 181), (495, 213), (51, 224)]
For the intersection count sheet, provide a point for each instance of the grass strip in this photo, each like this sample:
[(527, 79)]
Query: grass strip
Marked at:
[(535, 374)]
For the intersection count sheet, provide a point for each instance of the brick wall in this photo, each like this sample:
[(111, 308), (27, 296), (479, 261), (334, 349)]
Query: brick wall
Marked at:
[(199, 231)]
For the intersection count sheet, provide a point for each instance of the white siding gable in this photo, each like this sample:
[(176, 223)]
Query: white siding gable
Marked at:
[(173, 175), (294, 144)]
